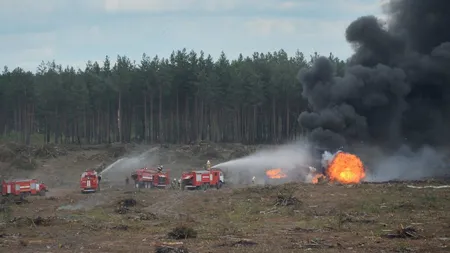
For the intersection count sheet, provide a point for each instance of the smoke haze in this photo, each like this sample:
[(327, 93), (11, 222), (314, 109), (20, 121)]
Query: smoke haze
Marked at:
[(122, 168), (406, 164), (292, 158), (86, 204)]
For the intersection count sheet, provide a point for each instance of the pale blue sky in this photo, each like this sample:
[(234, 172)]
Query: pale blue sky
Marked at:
[(74, 31)]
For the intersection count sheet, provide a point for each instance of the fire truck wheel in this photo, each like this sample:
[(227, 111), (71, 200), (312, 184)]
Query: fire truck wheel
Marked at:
[(219, 185)]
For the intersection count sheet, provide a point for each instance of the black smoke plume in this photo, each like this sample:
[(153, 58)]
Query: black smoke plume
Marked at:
[(396, 88)]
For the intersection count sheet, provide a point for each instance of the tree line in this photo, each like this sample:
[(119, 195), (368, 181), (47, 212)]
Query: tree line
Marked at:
[(186, 97)]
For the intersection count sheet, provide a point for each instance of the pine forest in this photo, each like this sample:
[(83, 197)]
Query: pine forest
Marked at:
[(186, 97)]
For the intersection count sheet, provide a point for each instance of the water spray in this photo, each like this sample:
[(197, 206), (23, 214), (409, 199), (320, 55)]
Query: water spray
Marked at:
[(125, 165), (111, 166), (293, 158)]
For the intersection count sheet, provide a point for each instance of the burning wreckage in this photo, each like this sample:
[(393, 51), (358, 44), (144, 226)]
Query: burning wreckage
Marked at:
[(342, 167)]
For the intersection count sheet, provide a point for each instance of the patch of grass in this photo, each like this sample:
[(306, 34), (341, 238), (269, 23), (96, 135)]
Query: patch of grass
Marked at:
[(5, 213), (429, 200), (15, 137), (244, 211), (258, 190), (24, 163), (369, 207), (100, 214), (182, 232), (342, 217), (316, 223)]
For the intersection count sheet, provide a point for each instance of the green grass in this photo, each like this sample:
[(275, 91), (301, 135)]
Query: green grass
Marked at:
[(35, 139), (355, 217)]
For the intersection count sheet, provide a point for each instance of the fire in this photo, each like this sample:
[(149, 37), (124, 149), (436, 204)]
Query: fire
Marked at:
[(346, 168), (317, 178), (275, 173)]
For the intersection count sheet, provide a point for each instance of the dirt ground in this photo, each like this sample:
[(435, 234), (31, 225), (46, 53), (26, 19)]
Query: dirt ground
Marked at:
[(292, 217), (61, 166)]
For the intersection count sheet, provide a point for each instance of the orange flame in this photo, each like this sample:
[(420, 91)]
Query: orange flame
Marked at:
[(316, 178), (275, 173), (346, 168)]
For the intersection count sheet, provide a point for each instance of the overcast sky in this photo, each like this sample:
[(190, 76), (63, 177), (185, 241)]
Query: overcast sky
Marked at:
[(74, 31)]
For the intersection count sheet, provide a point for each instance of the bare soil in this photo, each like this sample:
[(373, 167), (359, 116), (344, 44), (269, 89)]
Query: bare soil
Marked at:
[(285, 218)]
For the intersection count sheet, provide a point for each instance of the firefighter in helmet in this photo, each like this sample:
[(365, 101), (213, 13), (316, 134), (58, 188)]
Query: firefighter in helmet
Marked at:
[(160, 168), (208, 165)]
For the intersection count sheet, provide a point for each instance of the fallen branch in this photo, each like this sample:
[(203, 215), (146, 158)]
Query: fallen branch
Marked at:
[(169, 249), (404, 232), (428, 186), (286, 200), (317, 243)]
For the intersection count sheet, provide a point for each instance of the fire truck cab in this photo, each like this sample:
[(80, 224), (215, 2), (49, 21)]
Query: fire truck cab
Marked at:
[(90, 181), (23, 187), (202, 179), (150, 178)]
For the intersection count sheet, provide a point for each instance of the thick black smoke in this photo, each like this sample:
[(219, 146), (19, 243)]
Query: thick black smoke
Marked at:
[(396, 89)]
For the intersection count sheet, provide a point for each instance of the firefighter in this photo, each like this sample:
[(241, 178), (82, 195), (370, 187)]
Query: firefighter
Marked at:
[(174, 183), (253, 179), (208, 165), (127, 181), (160, 168), (22, 197)]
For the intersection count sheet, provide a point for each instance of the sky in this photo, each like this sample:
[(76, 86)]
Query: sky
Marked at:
[(71, 32)]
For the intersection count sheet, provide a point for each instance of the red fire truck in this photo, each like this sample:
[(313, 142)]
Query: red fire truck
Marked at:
[(202, 179), (90, 181), (151, 178), (23, 187)]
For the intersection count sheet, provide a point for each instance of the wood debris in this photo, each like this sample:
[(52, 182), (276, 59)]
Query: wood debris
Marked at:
[(404, 232)]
